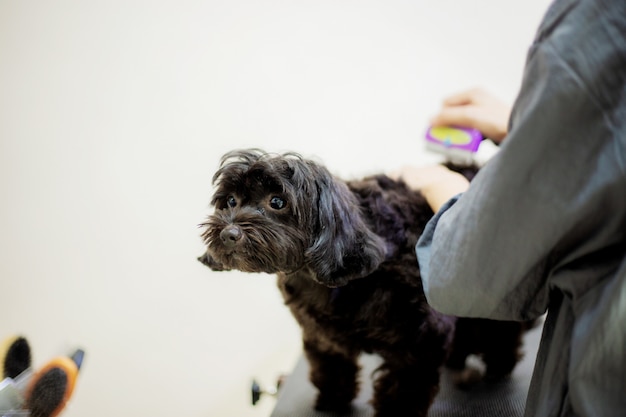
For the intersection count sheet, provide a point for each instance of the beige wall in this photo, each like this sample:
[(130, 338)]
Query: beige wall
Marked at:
[(113, 116)]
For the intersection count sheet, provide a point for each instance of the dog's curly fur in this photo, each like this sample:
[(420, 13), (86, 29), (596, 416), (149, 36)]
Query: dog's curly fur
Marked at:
[(344, 254)]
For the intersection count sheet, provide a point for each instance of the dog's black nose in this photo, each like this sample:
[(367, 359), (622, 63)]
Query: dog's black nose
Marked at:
[(231, 235)]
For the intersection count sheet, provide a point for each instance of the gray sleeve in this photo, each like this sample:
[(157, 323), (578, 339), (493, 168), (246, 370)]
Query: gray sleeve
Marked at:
[(555, 194)]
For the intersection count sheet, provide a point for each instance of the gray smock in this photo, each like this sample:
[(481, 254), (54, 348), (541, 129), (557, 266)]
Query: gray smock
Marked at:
[(543, 225)]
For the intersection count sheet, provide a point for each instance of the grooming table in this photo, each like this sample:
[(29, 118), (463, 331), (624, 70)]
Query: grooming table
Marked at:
[(498, 399)]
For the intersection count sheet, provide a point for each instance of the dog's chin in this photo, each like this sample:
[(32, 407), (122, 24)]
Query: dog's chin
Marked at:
[(331, 282), (246, 262), (233, 260)]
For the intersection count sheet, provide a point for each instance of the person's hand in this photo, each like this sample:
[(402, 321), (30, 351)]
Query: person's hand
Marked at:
[(437, 183), (476, 109)]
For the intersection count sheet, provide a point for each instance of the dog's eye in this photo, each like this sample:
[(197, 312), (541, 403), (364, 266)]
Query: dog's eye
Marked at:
[(230, 200), (277, 203)]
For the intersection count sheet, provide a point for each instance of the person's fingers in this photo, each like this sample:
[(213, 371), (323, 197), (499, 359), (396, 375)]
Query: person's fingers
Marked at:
[(477, 109), (475, 118), (463, 98), (458, 99), (456, 116)]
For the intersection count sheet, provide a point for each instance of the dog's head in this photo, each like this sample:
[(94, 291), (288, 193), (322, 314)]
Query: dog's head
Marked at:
[(281, 213)]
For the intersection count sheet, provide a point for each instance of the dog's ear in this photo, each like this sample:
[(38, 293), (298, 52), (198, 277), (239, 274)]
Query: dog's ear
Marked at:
[(208, 261), (343, 247)]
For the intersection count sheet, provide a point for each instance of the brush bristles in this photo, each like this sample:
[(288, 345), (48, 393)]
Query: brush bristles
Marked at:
[(48, 394), (16, 356), (51, 388)]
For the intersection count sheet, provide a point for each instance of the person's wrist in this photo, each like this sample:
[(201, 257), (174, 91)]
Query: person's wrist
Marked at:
[(499, 133), (439, 192)]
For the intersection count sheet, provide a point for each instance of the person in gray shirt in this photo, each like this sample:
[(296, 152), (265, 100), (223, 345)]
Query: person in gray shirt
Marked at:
[(542, 227)]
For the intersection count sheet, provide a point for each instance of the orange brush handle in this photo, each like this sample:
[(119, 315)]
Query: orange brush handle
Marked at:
[(51, 387)]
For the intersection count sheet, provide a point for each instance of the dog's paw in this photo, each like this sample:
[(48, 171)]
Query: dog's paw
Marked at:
[(466, 378), (326, 402), (401, 410), (207, 260)]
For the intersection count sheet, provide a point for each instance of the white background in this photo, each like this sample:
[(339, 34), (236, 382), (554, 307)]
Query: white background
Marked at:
[(113, 117)]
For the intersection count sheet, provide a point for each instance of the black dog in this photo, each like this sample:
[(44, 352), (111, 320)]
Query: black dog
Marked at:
[(344, 254)]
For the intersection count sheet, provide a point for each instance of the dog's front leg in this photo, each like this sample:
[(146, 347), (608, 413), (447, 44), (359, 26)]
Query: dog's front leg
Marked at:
[(334, 373), (406, 388)]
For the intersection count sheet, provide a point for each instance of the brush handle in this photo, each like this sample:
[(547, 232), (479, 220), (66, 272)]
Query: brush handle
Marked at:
[(459, 138)]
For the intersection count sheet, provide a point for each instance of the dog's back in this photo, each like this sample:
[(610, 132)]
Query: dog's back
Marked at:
[(393, 211)]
